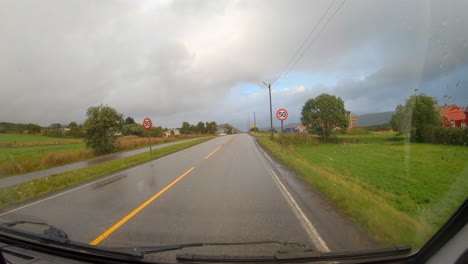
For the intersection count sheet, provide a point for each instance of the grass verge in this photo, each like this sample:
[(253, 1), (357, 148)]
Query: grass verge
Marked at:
[(399, 193), (36, 188)]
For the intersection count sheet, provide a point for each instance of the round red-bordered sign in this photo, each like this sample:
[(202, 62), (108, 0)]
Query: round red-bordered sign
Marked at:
[(147, 123), (282, 114)]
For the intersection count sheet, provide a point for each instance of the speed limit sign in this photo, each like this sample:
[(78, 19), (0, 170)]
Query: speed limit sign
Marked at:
[(147, 124), (282, 114)]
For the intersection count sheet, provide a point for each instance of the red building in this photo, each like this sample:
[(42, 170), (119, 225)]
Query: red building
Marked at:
[(453, 116)]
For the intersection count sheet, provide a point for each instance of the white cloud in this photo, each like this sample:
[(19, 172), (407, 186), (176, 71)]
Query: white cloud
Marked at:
[(185, 60)]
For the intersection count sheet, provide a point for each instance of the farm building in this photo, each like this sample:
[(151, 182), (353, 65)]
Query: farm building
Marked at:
[(453, 116)]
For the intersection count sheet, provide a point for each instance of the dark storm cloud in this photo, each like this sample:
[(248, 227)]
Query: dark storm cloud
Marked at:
[(187, 60)]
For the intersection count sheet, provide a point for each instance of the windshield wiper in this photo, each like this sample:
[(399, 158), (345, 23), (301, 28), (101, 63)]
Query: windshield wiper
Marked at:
[(56, 236), (164, 248), (52, 233), (298, 256)]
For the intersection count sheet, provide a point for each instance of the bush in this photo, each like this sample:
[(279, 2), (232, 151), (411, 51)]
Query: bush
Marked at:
[(441, 135), (297, 138), (357, 131), (382, 127)]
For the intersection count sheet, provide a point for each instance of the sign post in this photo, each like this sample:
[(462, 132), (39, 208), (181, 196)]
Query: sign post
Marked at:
[(147, 124), (282, 115)]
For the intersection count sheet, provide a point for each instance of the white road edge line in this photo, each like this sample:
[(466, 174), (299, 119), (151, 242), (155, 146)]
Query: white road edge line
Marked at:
[(306, 223), (86, 185), (311, 229)]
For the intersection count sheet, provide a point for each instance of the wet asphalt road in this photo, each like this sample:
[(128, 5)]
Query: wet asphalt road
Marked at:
[(222, 190), (230, 196)]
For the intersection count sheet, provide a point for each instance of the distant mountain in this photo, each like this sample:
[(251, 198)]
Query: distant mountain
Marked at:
[(223, 126), (375, 119)]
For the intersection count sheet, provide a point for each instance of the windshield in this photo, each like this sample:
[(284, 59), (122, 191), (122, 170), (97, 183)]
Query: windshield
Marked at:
[(325, 126)]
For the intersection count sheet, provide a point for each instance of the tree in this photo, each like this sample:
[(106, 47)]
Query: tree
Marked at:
[(129, 121), (132, 129), (201, 127), (101, 128), (55, 126), (211, 127), (75, 131), (417, 117), (33, 128), (254, 129), (185, 129), (193, 129), (54, 130), (228, 129), (323, 115)]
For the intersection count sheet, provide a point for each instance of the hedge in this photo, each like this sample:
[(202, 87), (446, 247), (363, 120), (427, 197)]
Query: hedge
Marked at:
[(441, 135)]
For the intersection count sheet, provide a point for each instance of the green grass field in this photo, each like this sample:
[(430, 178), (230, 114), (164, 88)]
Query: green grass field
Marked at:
[(401, 193), (28, 138), (36, 151)]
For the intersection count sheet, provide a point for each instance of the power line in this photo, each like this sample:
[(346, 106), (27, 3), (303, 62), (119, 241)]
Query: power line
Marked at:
[(304, 42), (310, 44)]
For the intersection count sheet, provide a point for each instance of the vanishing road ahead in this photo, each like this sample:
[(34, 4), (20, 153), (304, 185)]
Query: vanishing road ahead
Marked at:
[(223, 190)]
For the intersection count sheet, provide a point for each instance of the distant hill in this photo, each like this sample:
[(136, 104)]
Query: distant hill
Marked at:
[(375, 119), (223, 126)]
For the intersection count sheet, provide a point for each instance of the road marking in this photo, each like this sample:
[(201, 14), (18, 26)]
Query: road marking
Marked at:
[(214, 151), (228, 140), (306, 223), (134, 212), (311, 230), (209, 155)]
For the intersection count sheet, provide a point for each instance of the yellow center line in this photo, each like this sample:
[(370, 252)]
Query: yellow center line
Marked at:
[(214, 151), (132, 214), (228, 141), (209, 155)]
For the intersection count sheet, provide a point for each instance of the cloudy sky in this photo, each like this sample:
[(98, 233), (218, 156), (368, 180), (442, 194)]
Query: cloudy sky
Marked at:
[(195, 61)]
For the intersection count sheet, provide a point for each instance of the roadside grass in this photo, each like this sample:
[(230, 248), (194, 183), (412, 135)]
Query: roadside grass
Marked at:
[(400, 193), (36, 188), (20, 160)]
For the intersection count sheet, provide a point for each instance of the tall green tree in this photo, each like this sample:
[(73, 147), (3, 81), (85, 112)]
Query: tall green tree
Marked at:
[(102, 126), (211, 127), (201, 127), (417, 117), (185, 129), (193, 129), (323, 114), (129, 121)]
